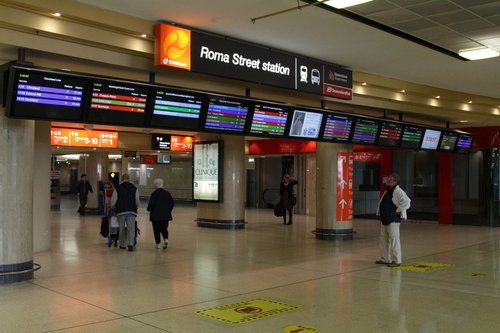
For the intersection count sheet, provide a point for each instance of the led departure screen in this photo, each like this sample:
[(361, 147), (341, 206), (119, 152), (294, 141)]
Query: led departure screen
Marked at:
[(116, 102), (176, 109), (337, 128), (390, 134), (464, 143), (431, 139), (412, 136), (448, 141), (227, 115), (268, 119), (306, 124), (46, 95), (365, 131)]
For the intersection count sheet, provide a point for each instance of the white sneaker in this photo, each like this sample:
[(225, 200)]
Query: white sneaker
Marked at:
[(157, 246)]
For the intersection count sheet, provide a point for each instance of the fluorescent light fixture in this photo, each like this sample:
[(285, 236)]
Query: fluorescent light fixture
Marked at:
[(478, 53), (339, 4)]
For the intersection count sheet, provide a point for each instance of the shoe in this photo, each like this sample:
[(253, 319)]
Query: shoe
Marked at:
[(122, 247), (381, 262), (393, 264), (130, 248), (165, 245), (290, 222), (157, 246)]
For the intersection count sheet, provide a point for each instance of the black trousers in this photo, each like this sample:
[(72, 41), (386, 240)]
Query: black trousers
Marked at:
[(83, 203), (160, 228)]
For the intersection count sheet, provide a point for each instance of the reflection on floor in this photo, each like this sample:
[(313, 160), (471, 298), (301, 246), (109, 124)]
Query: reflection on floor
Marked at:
[(270, 278)]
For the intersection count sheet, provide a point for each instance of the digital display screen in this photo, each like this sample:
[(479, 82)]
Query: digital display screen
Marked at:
[(160, 141), (46, 95), (306, 124), (390, 134), (226, 115), (117, 102), (464, 143), (412, 137), (207, 171), (337, 128), (431, 139), (268, 119), (176, 109), (365, 131), (448, 141)]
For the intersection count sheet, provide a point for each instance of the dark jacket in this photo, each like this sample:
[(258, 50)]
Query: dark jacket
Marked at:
[(126, 201), (84, 187), (287, 189), (160, 205)]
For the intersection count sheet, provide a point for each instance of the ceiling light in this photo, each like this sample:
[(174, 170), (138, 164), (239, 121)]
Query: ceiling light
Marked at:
[(403, 91), (470, 102), (438, 97), (344, 3), (144, 35), (478, 53), (363, 84), (57, 14), (464, 121)]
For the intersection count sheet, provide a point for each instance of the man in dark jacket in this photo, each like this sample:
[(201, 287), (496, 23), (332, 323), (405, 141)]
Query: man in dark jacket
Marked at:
[(160, 207), (82, 190), (125, 200)]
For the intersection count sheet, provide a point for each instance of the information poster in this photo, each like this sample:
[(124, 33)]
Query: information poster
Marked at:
[(345, 190), (70, 137), (207, 171)]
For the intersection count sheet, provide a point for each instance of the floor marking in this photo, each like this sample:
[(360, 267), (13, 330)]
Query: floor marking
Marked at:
[(243, 312), (300, 329), (424, 267)]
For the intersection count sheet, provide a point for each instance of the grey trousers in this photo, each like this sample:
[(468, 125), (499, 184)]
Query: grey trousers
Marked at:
[(127, 229)]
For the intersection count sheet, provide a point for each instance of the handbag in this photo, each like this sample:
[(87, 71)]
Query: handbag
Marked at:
[(104, 227), (113, 222), (278, 209)]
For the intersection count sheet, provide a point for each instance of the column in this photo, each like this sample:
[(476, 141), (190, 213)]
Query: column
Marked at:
[(95, 165), (445, 192), (334, 163), (16, 199), (229, 214), (41, 187)]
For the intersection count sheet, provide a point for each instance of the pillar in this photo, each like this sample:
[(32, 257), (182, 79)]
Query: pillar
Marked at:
[(95, 165), (41, 187), (445, 193), (229, 214), (334, 191), (16, 199)]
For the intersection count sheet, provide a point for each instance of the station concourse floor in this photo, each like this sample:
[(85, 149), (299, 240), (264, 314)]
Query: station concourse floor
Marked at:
[(84, 286)]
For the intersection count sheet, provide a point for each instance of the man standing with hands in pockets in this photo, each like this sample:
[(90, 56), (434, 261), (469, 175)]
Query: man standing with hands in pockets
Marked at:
[(391, 210)]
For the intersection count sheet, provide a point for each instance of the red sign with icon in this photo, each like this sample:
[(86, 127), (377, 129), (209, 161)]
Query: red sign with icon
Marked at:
[(345, 186), (70, 137)]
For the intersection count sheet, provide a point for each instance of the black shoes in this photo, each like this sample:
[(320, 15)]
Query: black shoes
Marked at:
[(381, 262), (393, 264), (130, 248)]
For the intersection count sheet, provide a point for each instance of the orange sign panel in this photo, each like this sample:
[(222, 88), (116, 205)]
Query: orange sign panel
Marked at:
[(69, 137), (345, 186), (172, 46), (181, 143)]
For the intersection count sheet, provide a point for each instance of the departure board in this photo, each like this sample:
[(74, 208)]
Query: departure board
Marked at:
[(176, 109), (390, 134), (226, 115), (448, 141), (268, 120), (412, 137), (431, 139), (365, 131), (464, 143), (117, 102), (46, 95), (337, 128)]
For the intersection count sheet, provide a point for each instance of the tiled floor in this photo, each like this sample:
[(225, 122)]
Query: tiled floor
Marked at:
[(84, 286)]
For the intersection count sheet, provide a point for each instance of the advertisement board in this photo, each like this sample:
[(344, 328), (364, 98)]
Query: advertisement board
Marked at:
[(207, 171)]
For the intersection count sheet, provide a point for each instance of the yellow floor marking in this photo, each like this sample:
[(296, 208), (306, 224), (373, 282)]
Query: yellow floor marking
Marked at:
[(243, 312), (424, 267)]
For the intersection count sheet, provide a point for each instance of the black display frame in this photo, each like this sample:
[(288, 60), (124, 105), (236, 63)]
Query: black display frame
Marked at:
[(365, 119), (296, 122), (46, 111), (438, 140), (325, 121), (387, 142), (402, 144), (161, 122), (441, 140), (467, 150), (232, 99), (267, 104)]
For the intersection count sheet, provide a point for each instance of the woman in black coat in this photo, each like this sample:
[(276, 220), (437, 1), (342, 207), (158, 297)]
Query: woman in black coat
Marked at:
[(160, 208), (286, 197)]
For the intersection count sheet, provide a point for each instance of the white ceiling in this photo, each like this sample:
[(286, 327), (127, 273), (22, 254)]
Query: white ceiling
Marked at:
[(318, 33)]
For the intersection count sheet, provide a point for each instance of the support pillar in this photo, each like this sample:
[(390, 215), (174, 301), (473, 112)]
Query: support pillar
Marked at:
[(16, 199), (229, 214), (445, 194), (95, 165), (334, 188)]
